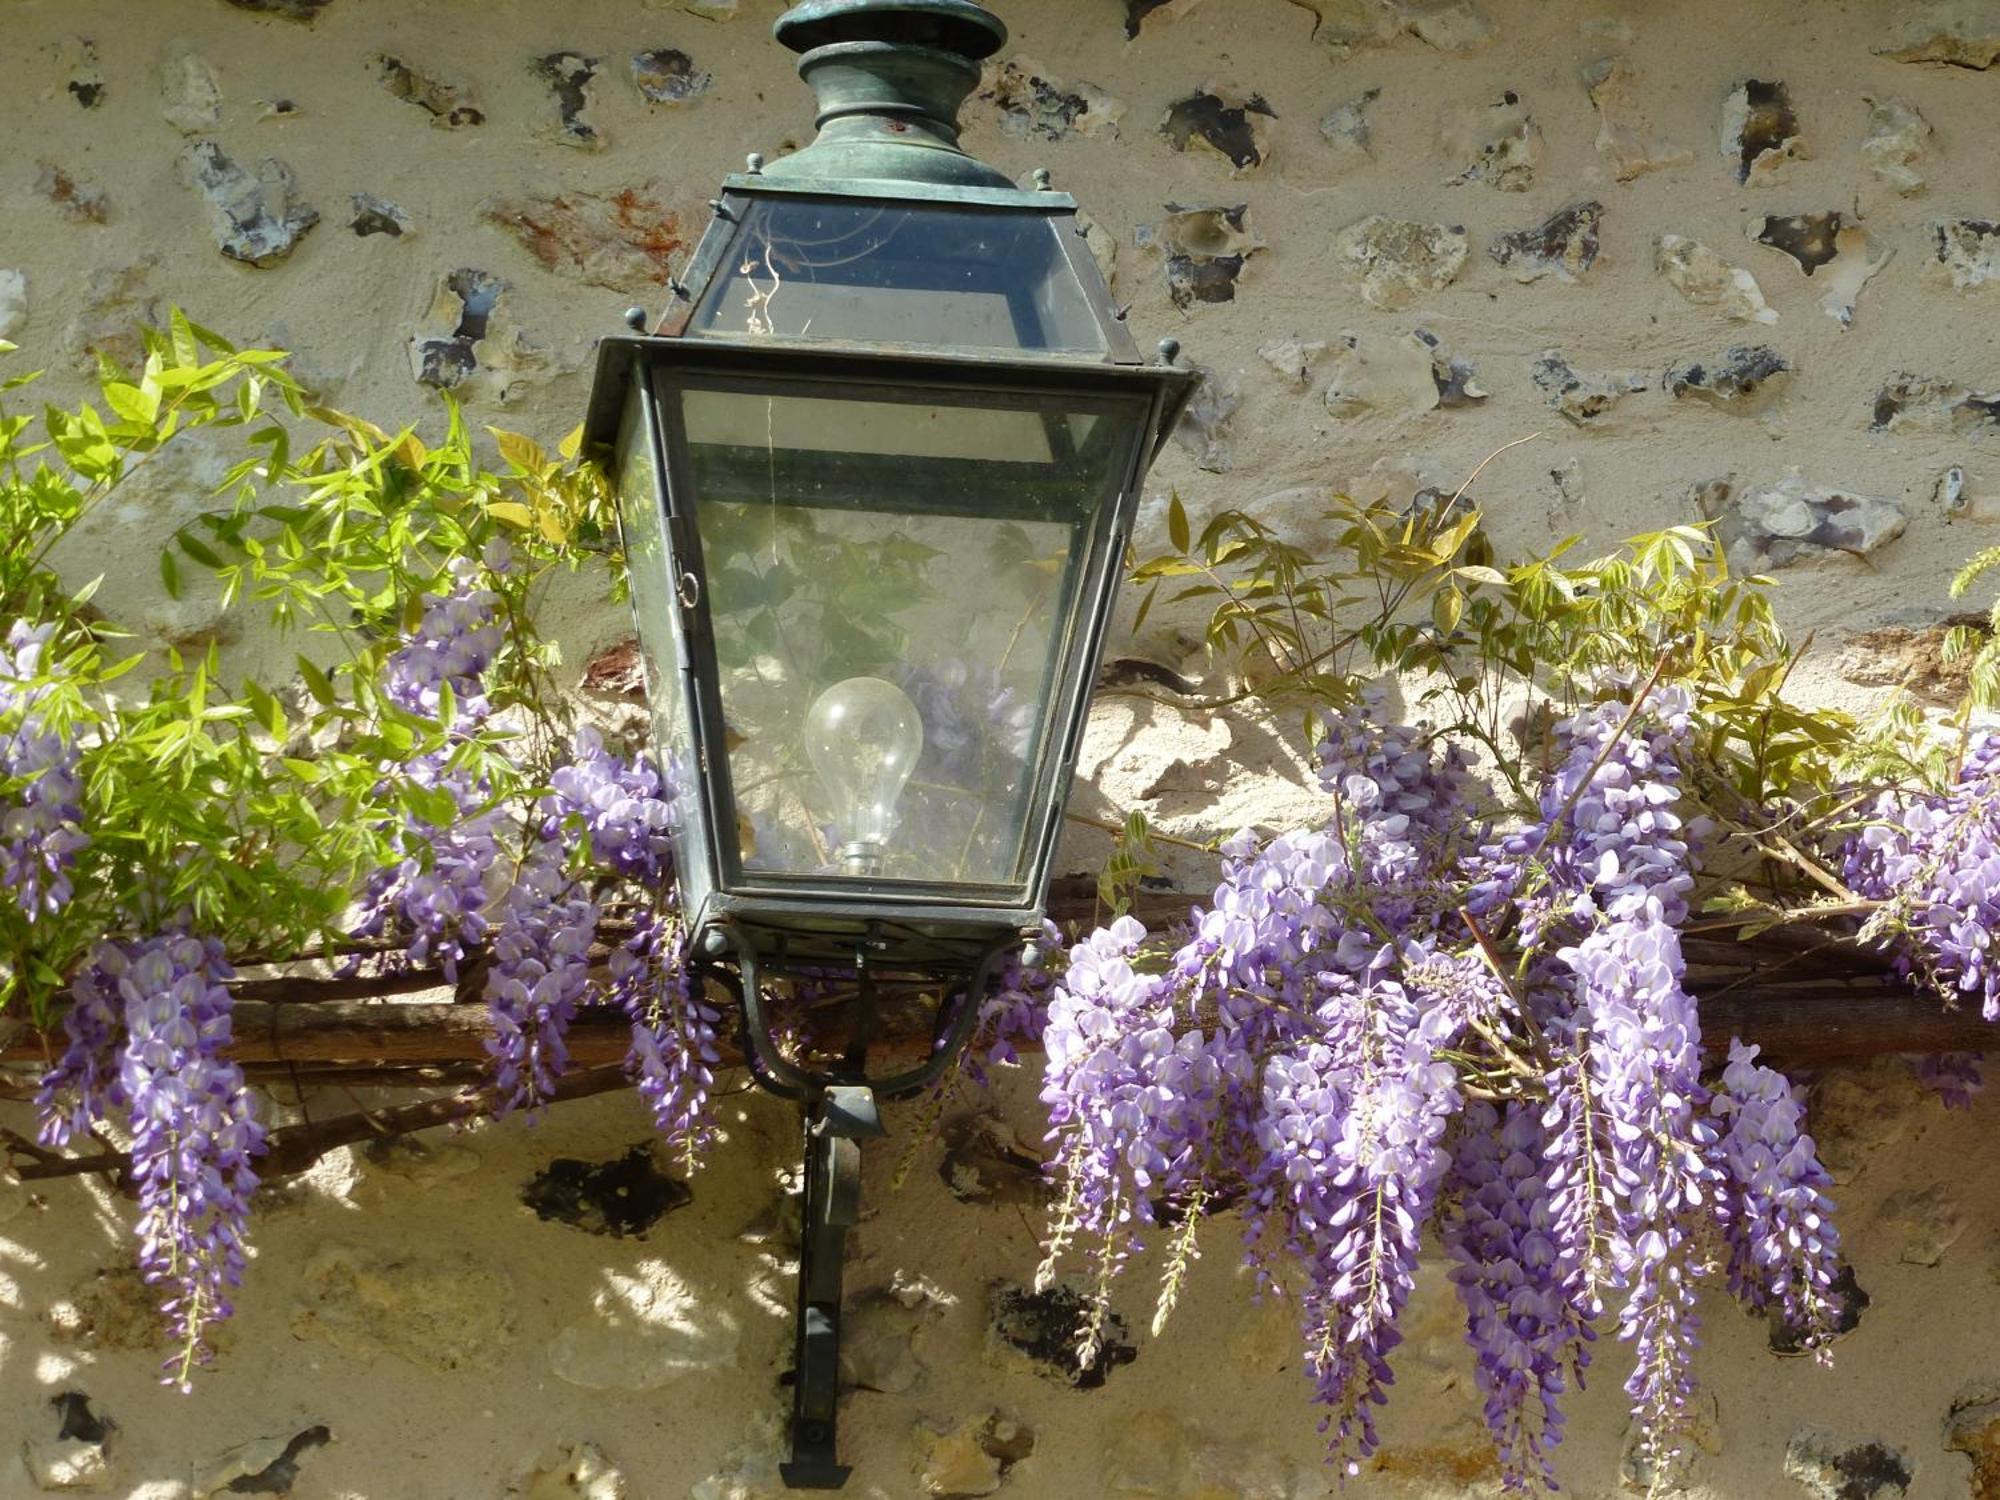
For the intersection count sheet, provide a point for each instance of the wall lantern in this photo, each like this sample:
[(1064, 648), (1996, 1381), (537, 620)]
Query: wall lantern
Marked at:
[(876, 467)]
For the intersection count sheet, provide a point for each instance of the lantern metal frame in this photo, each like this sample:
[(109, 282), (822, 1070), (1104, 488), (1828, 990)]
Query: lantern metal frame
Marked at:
[(890, 75)]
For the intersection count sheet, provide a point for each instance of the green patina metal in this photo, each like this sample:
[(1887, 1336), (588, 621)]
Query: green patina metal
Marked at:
[(890, 76)]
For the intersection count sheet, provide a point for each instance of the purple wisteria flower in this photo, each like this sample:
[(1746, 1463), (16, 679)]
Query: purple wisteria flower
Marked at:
[(1016, 1011), (1783, 1247), (1133, 1105), (436, 900), (83, 1087), (1934, 862), (1351, 1141), (970, 716), (674, 1051), (1644, 1063), (538, 972), (162, 1006), (41, 785), (1955, 1077), (1521, 1322), (454, 643), (621, 806)]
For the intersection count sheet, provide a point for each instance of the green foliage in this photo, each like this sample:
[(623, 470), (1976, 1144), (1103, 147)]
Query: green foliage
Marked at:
[(252, 807)]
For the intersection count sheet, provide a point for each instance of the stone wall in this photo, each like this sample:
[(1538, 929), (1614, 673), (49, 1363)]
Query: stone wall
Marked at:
[(1730, 259)]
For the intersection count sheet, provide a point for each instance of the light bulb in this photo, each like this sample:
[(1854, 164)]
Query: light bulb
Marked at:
[(863, 737)]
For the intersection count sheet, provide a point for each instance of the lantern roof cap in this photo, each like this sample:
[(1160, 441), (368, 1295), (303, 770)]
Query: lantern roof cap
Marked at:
[(890, 76)]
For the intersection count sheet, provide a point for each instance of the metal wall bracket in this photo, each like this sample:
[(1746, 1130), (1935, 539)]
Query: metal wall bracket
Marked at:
[(837, 1120)]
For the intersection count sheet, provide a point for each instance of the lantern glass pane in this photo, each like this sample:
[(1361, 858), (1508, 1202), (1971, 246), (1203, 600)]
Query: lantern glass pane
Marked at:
[(864, 271), (642, 527), (894, 586)]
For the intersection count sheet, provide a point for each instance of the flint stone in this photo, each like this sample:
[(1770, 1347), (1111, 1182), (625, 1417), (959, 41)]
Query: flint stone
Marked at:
[(1642, 1472), (13, 303), (1831, 1468), (1204, 426), (568, 75), (1787, 1338), (1205, 249), (1738, 380), (269, 1466), (1293, 357), (1139, 12), (1035, 105), (1456, 380), (1392, 262), (711, 10), (1965, 33), (1912, 657), (1760, 130), (373, 215), (1854, 265), (190, 98), (258, 217), (1927, 1221), (985, 1161), (437, 1312), (1042, 1329), (303, 11), (449, 360), (1385, 375), (1397, 376), (1580, 396), (955, 1465), (1788, 522), (1707, 280), (575, 1471), (1968, 250), (1898, 137), (1346, 127), (1448, 25), (1810, 239), (1564, 245), (1973, 1428), (1235, 127), (624, 240), (1621, 131), (1500, 144), (667, 75), (1931, 403), (642, 1332), (78, 57), (626, 1195), (76, 1459), (449, 106)]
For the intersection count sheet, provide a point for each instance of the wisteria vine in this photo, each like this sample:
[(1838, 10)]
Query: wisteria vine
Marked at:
[(1413, 1016)]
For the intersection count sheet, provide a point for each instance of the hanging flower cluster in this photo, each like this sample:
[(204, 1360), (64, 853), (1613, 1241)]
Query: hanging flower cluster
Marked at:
[(41, 791), (1933, 861), (148, 1032), (1401, 1018)]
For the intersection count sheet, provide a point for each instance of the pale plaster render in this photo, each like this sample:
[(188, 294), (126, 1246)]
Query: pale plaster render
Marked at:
[(591, 1357)]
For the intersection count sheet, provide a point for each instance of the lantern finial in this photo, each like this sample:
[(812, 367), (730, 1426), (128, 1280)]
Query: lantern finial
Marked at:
[(890, 76)]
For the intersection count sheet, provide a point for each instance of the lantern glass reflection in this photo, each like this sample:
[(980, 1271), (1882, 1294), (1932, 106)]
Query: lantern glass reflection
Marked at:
[(928, 542)]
